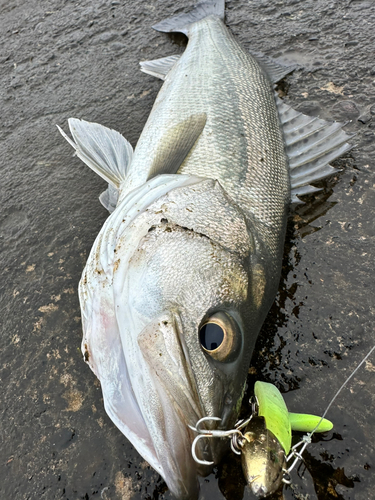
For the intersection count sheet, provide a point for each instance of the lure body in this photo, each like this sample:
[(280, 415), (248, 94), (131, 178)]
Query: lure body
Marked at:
[(268, 438)]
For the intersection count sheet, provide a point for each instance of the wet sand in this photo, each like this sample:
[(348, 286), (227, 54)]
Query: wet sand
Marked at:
[(64, 59)]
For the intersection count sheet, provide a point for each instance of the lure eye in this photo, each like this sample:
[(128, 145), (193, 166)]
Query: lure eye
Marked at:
[(220, 337)]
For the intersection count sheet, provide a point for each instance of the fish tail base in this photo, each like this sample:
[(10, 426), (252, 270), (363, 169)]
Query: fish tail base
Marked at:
[(181, 22)]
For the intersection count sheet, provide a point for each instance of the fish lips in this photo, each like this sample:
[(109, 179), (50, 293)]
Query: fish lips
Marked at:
[(174, 405)]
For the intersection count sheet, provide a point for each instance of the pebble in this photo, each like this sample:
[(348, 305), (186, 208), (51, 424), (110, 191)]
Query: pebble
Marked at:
[(365, 118), (118, 46), (108, 37), (345, 110)]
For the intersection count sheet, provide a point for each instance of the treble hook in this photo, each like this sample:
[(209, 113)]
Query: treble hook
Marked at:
[(204, 419), (206, 433)]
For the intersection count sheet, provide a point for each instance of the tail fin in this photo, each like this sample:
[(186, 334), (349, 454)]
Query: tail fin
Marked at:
[(181, 22)]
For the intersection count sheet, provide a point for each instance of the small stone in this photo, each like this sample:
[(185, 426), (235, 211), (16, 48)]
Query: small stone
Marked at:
[(108, 37), (312, 108), (358, 331), (118, 46), (351, 43), (345, 110), (365, 118)]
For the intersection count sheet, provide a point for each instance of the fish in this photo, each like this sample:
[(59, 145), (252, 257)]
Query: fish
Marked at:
[(184, 270)]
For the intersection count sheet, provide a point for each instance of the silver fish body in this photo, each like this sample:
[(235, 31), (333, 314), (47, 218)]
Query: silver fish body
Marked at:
[(241, 145), (193, 248)]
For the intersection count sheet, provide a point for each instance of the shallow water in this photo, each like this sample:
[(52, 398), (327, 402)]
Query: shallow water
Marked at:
[(81, 59)]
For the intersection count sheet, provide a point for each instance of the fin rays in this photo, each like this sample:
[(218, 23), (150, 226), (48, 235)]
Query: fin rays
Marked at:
[(176, 144), (104, 150), (311, 144)]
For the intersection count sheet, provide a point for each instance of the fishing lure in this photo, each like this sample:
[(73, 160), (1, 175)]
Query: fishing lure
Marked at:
[(266, 442), (265, 445)]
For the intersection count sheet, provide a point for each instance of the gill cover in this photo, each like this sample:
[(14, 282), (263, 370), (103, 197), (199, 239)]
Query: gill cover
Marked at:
[(142, 324)]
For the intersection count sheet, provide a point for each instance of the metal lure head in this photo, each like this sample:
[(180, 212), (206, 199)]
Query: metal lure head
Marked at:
[(263, 458)]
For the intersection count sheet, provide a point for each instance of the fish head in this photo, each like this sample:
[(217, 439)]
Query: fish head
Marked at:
[(263, 459), (187, 326)]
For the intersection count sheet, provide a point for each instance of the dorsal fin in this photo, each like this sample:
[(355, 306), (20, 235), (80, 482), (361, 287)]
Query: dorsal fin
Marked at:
[(275, 70), (176, 144), (310, 143)]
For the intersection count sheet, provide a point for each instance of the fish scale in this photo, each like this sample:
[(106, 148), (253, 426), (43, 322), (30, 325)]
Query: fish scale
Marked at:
[(247, 136), (214, 75)]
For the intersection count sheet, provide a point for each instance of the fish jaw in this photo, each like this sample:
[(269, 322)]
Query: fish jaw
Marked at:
[(172, 406)]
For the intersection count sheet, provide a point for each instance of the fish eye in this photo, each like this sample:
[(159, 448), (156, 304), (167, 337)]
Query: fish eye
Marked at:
[(220, 337), (211, 336)]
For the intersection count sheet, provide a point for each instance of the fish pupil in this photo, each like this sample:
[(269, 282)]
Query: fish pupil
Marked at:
[(211, 336)]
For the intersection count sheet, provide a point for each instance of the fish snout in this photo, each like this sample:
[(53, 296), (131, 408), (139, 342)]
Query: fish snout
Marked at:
[(174, 407)]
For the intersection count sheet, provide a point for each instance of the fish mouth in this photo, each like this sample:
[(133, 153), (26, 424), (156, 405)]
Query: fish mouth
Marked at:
[(173, 407)]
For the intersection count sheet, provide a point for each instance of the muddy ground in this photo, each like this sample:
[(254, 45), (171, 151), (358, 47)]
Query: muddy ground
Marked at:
[(62, 58)]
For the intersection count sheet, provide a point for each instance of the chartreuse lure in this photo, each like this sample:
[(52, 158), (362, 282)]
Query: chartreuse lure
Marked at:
[(268, 438), (280, 421)]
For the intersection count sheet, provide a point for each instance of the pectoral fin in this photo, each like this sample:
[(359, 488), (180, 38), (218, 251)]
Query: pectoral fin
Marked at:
[(176, 144)]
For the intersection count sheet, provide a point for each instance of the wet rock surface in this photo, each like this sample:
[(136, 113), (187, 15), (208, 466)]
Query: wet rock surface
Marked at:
[(63, 59)]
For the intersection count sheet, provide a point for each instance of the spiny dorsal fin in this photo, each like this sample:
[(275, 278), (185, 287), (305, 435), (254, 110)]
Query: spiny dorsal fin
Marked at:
[(104, 150), (176, 144), (311, 144), (159, 67)]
